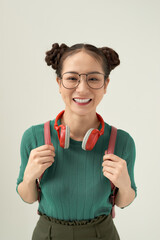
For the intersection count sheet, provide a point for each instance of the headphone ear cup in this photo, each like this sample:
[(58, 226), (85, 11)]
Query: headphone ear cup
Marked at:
[(62, 133), (64, 136), (90, 139), (67, 137), (85, 139)]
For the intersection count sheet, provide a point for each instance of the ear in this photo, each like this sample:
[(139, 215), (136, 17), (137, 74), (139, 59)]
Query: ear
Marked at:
[(106, 84), (58, 80), (59, 83)]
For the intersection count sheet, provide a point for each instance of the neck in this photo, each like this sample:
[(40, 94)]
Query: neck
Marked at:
[(79, 124)]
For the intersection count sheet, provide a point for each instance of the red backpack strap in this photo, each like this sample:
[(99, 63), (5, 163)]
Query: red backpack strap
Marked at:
[(110, 149), (47, 140), (47, 135)]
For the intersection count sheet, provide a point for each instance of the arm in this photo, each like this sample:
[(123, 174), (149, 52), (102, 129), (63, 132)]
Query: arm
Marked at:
[(120, 171), (28, 191), (39, 160), (124, 197), (34, 161)]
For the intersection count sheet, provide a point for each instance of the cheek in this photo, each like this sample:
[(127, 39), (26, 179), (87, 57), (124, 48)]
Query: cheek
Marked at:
[(66, 95), (99, 97)]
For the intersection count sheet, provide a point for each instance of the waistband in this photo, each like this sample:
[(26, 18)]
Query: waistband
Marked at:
[(92, 221)]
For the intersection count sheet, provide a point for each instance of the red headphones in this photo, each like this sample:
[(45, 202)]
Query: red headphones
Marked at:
[(89, 140)]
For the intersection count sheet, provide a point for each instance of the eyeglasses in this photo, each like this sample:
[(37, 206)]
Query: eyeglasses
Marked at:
[(71, 80)]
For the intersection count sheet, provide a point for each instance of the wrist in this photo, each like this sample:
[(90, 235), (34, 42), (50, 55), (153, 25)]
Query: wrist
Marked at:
[(124, 196), (28, 181), (125, 190)]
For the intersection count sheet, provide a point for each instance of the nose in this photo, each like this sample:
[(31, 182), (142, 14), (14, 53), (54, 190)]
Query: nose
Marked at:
[(82, 86)]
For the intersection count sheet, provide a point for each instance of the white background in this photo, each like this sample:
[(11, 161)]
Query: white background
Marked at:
[(29, 95)]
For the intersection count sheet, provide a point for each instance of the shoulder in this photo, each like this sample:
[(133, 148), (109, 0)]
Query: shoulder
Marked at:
[(31, 135), (27, 136), (27, 141), (36, 133), (122, 134), (124, 140), (39, 128)]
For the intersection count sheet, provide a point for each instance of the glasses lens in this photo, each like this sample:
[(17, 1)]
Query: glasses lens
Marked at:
[(70, 80), (95, 80)]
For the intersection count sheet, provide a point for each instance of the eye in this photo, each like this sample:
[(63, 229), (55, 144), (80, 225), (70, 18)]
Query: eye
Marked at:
[(93, 79), (72, 79)]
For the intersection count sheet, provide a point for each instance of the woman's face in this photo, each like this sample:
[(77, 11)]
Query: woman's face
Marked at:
[(81, 62)]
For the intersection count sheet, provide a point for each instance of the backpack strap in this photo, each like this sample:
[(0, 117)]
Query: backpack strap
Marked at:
[(110, 149), (47, 140)]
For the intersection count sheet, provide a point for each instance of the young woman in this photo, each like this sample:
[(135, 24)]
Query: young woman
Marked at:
[(77, 170)]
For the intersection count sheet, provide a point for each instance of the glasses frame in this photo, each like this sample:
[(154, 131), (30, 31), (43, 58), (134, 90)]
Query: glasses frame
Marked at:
[(86, 79)]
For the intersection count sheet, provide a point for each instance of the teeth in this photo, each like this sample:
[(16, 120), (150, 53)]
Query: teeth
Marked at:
[(82, 100)]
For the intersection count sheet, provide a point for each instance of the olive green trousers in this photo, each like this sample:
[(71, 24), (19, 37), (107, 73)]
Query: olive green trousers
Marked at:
[(101, 227)]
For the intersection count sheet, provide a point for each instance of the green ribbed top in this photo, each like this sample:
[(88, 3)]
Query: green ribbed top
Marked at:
[(74, 187)]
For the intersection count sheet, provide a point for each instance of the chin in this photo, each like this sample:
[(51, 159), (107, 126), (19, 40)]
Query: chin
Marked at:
[(82, 112)]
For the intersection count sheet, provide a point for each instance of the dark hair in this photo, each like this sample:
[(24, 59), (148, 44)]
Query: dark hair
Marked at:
[(107, 56)]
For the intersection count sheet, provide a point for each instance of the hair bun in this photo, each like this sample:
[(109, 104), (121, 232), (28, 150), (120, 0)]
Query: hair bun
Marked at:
[(53, 56), (112, 57)]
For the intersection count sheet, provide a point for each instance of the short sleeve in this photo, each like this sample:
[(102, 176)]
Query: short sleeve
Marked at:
[(27, 144), (129, 154)]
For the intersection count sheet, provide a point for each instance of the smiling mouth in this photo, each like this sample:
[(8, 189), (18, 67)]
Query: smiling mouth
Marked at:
[(78, 100)]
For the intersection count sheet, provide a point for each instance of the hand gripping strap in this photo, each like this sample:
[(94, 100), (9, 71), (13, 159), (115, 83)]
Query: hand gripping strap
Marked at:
[(47, 140), (110, 149)]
